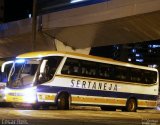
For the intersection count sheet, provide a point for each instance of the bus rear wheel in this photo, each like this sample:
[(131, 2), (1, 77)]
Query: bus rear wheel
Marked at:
[(63, 102), (131, 105)]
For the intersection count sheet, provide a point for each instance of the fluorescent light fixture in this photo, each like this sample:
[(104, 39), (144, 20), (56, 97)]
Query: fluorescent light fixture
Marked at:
[(137, 55), (154, 46), (76, 1), (139, 60), (20, 61), (133, 50)]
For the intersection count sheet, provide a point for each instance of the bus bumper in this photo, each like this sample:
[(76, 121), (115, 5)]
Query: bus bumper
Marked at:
[(27, 95)]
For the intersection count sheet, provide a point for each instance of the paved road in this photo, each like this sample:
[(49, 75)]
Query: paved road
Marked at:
[(77, 116)]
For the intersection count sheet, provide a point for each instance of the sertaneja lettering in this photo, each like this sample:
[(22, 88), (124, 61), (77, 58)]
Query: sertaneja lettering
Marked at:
[(100, 86), (84, 84), (93, 85)]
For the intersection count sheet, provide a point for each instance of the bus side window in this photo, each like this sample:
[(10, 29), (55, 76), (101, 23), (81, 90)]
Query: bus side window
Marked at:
[(92, 71), (112, 72), (88, 69), (150, 77), (117, 75), (84, 69), (136, 75), (104, 71), (121, 73), (143, 76), (71, 67), (66, 70), (153, 77), (51, 66), (75, 69)]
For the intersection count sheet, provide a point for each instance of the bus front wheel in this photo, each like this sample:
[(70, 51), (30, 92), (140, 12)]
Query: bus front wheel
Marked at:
[(131, 105), (63, 102)]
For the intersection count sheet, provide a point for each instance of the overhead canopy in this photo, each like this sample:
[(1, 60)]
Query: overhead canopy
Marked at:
[(138, 28), (113, 22)]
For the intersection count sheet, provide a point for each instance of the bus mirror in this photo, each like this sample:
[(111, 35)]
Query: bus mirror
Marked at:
[(43, 65), (5, 64)]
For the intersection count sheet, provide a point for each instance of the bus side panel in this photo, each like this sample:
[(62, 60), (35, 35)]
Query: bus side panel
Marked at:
[(94, 92)]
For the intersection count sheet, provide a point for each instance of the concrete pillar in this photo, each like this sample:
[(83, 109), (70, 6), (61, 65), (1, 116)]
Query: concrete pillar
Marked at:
[(60, 46)]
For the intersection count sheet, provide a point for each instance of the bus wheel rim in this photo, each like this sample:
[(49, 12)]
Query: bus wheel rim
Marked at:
[(62, 102), (131, 106)]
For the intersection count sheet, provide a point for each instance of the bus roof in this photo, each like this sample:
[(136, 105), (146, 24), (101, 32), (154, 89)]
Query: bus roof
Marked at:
[(40, 54)]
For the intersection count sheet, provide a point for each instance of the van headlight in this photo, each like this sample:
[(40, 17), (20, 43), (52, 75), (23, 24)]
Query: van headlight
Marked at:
[(29, 95)]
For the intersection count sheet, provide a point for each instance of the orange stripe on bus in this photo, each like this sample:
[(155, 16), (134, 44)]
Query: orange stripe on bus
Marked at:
[(98, 100), (147, 103)]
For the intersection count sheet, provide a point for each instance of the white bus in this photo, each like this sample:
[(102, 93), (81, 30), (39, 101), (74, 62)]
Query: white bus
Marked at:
[(64, 79)]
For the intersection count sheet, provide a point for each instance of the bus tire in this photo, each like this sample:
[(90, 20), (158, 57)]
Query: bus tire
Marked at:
[(131, 105), (106, 108), (63, 102)]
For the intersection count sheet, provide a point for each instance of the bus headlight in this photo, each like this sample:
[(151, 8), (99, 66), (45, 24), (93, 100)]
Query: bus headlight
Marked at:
[(30, 95), (6, 91)]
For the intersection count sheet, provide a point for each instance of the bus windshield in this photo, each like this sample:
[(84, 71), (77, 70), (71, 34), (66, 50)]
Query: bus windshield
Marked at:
[(29, 72), (23, 73)]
